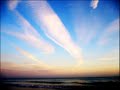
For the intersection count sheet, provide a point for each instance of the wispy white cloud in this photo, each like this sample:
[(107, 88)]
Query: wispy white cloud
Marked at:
[(84, 31), (29, 34), (30, 56), (84, 34), (12, 4), (112, 28), (53, 27), (94, 4)]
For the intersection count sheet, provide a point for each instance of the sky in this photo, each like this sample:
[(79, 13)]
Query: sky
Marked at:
[(57, 38)]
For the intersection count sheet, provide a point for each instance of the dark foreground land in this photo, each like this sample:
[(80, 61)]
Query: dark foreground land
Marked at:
[(94, 86), (61, 85)]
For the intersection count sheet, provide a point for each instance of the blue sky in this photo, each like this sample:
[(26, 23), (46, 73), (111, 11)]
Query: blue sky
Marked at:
[(56, 35)]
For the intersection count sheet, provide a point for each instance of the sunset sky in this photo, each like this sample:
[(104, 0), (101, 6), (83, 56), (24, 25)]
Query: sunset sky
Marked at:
[(59, 38)]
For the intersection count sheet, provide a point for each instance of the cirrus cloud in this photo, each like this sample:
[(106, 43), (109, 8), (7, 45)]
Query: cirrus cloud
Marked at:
[(29, 34), (12, 4), (112, 28), (94, 4), (53, 27)]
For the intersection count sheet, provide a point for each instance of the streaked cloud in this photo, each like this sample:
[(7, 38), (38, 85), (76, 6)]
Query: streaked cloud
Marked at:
[(21, 21), (31, 57), (25, 53), (84, 31), (29, 34), (81, 34), (53, 27), (94, 4), (112, 28), (12, 4)]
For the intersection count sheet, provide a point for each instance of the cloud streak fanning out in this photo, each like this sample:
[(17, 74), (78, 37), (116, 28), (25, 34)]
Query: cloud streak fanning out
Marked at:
[(112, 28), (29, 34), (94, 4), (53, 27), (12, 4), (31, 57)]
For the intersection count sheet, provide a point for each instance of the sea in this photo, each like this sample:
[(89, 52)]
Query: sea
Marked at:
[(74, 83)]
